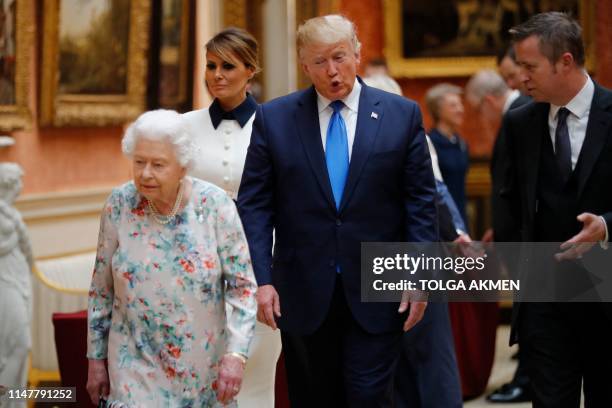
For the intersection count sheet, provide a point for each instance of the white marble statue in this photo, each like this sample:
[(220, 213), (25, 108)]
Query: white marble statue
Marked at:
[(15, 285)]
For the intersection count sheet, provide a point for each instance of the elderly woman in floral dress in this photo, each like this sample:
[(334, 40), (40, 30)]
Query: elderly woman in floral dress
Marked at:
[(171, 255)]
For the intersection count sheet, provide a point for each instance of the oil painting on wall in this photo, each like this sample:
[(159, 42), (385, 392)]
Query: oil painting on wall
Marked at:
[(15, 50), (8, 20), (457, 37), (94, 61), (93, 46)]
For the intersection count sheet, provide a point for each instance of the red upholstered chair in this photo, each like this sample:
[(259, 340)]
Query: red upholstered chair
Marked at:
[(71, 345)]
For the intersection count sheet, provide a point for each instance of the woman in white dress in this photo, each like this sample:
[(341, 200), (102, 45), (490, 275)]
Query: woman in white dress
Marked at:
[(15, 286), (223, 132)]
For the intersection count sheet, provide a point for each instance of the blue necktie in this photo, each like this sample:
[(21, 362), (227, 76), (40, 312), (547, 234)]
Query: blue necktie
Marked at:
[(563, 149), (336, 152)]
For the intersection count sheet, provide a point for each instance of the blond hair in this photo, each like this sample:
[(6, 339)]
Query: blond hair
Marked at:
[(327, 29)]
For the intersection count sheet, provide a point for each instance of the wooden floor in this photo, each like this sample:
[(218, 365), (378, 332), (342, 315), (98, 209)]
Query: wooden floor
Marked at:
[(503, 370)]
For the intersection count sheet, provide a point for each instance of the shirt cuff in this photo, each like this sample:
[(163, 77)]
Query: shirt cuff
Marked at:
[(604, 243)]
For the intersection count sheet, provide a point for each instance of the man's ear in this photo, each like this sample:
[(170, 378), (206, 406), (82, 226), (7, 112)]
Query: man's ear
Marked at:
[(567, 60)]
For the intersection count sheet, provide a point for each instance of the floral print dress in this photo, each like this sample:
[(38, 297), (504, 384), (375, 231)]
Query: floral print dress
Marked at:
[(158, 298)]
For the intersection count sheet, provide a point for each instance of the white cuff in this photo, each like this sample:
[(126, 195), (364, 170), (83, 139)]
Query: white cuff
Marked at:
[(604, 243)]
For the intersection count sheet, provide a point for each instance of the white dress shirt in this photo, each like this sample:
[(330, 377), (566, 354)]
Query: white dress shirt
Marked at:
[(348, 112)]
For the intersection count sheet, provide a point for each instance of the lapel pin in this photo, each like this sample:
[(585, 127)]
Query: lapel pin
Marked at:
[(374, 115)]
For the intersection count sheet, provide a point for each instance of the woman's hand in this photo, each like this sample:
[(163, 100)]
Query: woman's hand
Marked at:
[(230, 377), (97, 380)]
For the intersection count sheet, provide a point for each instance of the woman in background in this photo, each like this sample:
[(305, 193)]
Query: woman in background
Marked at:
[(223, 132), (446, 109)]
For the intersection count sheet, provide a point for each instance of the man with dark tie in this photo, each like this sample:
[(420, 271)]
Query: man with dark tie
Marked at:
[(330, 167), (559, 191)]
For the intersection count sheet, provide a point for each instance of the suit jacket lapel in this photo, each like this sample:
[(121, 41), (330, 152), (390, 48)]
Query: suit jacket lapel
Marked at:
[(307, 123), (365, 134), (533, 144), (595, 138)]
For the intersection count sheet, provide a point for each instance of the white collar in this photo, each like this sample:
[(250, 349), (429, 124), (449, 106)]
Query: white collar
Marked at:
[(580, 104), (512, 96), (351, 100)]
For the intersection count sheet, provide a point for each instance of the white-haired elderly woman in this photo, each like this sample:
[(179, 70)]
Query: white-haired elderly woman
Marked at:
[(171, 256), (15, 285)]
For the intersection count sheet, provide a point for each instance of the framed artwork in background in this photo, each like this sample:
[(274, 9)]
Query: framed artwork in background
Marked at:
[(459, 37), (16, 36), (94, 61)]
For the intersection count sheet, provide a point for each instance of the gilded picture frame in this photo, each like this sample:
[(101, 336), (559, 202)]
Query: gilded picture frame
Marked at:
[(15, 111), (442, 63), (60, 106)]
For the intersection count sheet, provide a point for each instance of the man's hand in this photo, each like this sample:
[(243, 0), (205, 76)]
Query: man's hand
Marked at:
[(467, 248), (417, 308), (97, 380), (463, 239), (593, 231), (488, 236), (268, 305), (231, 371)]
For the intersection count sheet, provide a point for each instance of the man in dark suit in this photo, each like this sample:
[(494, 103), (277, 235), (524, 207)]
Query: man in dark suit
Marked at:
[(490, 94), (328, 168), (559, 172)]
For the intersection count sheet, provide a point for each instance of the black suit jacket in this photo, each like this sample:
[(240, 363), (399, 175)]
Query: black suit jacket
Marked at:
[(524, 129), (504, 226)]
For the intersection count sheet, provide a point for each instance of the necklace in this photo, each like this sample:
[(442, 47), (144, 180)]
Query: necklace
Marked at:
[(165, 219)]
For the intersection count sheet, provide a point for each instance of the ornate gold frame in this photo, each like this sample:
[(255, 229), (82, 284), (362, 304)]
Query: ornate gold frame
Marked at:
[(95, 110), (18, 116), (400, 66)]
